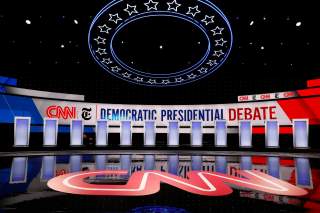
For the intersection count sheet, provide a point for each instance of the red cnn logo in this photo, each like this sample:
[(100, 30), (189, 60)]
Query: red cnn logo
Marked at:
[(61, 112), (199, 182)]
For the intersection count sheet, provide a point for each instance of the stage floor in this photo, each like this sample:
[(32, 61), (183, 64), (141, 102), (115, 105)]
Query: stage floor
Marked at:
[(24, 177)]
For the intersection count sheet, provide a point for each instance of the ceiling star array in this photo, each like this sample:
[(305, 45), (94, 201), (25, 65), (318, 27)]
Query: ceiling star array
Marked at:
[(202, 14)]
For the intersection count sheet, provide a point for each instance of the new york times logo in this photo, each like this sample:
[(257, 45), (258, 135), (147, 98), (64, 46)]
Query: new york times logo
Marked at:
[(86, 113)]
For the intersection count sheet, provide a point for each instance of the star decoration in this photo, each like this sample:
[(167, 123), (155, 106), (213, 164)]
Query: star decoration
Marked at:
[(151, 5), (191, 76), (115, 18), (115, 69), (101, 51), (220, 42), (152, 81), (203, 70), (218, 53), (126, 75), (138, 79), (106, 61), (165, 81), (212, 62), (178, 80), (131, 9), (208, 19), (173, 5), (193, 11), (104, 29), (217, 31), (100, 40)]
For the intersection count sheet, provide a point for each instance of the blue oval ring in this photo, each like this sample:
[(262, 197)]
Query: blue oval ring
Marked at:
[(155, 79)]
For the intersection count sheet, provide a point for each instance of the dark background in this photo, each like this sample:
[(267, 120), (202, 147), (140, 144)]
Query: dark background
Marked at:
[(271, 54)]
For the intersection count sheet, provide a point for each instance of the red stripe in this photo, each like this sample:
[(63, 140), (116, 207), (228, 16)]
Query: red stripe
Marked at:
[(309, 92), (302, 108), (282, 130), (313, 83), (263, 161)]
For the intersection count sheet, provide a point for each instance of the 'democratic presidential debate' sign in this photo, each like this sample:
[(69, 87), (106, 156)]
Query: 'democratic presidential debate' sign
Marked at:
[(258, 112)]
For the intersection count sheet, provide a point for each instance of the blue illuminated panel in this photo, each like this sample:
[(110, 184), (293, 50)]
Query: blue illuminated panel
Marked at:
[(101, 133), (303, 172), (75, 163), (21, 131), (300, 133), (76, 133), (149, 133), (272, 134), (50, 132), (245, 134), (101, 161), (125, 134), (19, 170), (125, 164), (245, 163), (48, 167), (196, 134), (274, 166), (196, 162), (149, 162), (221, 133), (173, 133), (173, 164), (221, 164)]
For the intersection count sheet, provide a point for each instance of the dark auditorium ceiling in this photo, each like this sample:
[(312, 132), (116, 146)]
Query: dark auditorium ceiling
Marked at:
[(45, 46)]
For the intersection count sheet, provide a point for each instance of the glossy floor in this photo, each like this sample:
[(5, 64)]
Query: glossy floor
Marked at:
[(23, 185)]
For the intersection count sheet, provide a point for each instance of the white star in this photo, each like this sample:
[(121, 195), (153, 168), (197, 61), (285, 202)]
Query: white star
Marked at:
[(218, 53), (173, 5), (126, 75), (203, 70), (165, 81), (138, 79), (100, 40), (212, 62), (106, 61), (217, 31), (220, 42), (104, 29), (115, 18), (152, 81), (151, 5), (101, 51), (115, 69), (180, 79), (131, 9), (191, 76), (193, 11), (208, 19)]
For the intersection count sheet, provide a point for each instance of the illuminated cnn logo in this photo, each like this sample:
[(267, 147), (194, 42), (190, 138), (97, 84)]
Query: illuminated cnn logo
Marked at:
[(61, 112), (198, 182)]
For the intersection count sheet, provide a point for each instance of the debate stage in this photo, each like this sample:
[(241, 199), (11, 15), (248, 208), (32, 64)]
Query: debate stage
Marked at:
[(171, 106)]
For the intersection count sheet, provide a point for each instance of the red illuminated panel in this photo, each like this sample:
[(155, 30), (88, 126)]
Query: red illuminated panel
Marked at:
[(302, 108), (313, 83)]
